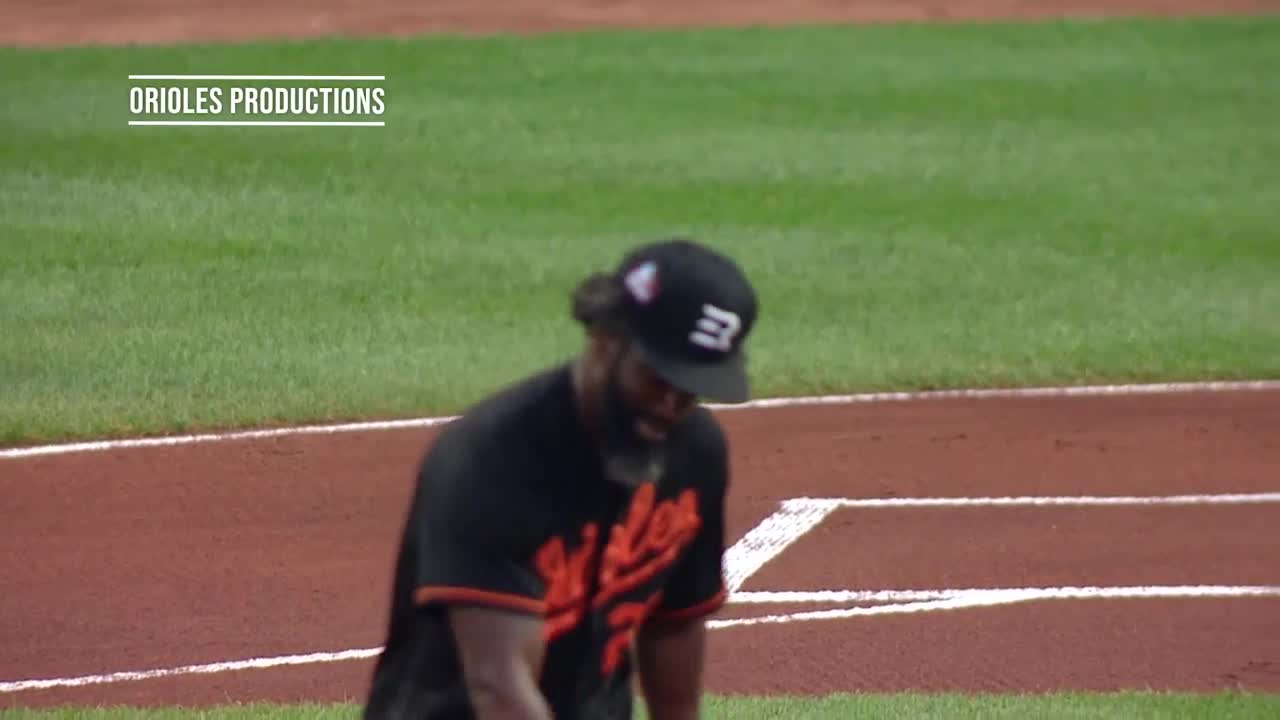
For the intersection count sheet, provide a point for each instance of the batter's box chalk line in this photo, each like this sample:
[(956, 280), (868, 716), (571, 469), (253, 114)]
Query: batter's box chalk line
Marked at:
[(901, 602), (798, 516)]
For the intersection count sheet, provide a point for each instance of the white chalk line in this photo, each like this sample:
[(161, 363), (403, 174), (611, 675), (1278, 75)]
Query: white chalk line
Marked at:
[(859, 398), (959, 599), (829, 504), (200, 438), (905, 608), (1088, 592), (218, 667), (905, 602), (766, 540)]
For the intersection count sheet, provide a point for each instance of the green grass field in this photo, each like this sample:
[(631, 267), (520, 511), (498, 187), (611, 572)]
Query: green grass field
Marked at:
[(1065, 706), (920, 207)]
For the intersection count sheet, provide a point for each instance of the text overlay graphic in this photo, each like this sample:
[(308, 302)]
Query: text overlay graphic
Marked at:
[(257, 100)]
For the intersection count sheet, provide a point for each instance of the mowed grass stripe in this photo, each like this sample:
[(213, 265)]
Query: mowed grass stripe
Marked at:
[(961, 205)]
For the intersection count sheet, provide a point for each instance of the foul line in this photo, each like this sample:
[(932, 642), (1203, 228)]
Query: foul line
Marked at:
[(220, 667), (861, 398), (104, 445), (917, 601)]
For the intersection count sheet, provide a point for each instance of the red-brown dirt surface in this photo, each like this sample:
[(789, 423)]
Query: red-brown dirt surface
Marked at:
[(162, 557), (58, 22), (152, 558)]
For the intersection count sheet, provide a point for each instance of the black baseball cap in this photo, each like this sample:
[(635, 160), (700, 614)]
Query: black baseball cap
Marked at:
[(690, 309)]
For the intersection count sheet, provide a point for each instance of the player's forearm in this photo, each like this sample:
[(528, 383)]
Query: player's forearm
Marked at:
[(670, 659), (667, 698), (517, 699), (494, 707)]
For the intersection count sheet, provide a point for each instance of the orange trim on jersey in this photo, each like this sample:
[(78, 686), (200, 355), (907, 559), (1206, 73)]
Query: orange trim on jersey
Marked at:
[(506, 601), (706, 607)]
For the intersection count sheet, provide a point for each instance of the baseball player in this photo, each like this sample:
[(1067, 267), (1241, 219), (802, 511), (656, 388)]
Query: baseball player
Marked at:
[(569, 529)]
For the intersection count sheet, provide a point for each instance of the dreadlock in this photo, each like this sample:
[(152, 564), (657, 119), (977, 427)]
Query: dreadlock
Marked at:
[(597, 302)]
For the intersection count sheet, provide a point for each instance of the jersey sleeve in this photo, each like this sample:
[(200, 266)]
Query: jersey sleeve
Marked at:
[(471, 541), (697, 585)]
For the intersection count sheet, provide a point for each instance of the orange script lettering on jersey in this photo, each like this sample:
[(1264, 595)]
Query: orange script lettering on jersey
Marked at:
[(647, 541), (565, 575)]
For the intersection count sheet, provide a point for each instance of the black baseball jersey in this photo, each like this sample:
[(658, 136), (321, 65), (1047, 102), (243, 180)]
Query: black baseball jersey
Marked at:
[(512, 510)]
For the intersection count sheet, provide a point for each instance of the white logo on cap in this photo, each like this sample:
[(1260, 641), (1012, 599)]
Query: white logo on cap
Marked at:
[(643, 282), (716, 329)]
